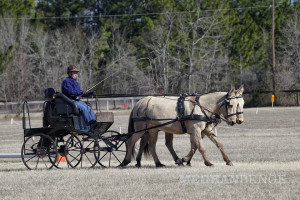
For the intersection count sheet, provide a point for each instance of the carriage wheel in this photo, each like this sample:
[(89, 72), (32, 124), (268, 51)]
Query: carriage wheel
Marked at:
[(113, 149), (82, 150), (39, 151)]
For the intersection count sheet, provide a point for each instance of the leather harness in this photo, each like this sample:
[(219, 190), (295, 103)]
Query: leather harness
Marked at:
[(181, 115)]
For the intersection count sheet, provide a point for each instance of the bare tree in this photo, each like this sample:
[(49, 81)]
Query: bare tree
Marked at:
[(17, 77), (288, 77), (122, 73), (200, 50), (159, 41)]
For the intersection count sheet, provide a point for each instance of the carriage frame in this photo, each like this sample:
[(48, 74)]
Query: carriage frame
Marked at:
[(67, 140)]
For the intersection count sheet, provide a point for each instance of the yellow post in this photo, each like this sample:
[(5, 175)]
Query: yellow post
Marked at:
[(273, 99)]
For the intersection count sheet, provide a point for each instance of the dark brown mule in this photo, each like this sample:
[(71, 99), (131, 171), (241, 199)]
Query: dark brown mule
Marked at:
[(229, 105)]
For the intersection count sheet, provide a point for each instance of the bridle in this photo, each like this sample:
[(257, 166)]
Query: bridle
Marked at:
[(216, 117), (226, 102)]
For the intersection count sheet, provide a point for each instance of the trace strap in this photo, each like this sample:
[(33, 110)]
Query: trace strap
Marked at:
[(181, 117)]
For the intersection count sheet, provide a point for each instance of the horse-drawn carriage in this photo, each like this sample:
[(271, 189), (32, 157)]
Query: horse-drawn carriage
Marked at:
[(64, 135), (65, 139)]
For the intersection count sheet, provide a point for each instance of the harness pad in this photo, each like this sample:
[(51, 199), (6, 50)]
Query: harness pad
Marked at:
[(180, 110)]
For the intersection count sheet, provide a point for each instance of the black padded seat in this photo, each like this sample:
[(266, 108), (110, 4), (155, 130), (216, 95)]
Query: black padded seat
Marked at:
[(65, 106)]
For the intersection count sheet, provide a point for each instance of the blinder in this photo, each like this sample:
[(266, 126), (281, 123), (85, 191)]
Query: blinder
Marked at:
[(227, 102)]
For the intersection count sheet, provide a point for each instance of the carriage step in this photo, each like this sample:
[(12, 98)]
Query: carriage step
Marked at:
[(101, 126)]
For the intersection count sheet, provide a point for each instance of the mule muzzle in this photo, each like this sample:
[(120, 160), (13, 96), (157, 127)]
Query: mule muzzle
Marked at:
[(231, 123), (239, 121)]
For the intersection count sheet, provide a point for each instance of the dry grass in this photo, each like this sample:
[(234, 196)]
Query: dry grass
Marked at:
[(266, 145)]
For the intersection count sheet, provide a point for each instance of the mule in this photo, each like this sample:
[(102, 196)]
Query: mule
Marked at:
[(208, 131), (159, 110)]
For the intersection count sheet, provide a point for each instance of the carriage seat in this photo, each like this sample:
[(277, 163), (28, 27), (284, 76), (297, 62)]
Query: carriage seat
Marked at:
[(65, 106)]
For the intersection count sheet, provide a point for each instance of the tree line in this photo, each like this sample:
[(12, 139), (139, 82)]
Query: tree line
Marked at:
[(147, 47)]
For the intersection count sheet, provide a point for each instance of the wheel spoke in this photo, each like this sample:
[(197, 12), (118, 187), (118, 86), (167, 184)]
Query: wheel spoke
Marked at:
[(116, 157), (37, 162), (75, 158), (88, 159), (31, 158), (104, 155)]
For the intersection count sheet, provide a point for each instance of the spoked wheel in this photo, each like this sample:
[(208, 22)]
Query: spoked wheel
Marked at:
[(113, 149), (39, 151), (82, 150)]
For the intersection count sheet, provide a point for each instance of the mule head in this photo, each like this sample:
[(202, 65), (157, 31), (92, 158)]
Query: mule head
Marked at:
[(234, 104), (240, 105)]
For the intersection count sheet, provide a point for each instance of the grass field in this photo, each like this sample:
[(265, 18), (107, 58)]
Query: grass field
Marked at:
[(265, 152)]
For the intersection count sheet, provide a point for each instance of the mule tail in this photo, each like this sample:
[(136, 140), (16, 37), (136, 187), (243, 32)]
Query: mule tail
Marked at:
[(145, 145), (131, 131)]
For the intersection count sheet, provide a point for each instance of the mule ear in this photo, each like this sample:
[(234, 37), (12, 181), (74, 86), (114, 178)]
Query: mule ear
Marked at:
[(231, 92), (241, 89), (232, 87)]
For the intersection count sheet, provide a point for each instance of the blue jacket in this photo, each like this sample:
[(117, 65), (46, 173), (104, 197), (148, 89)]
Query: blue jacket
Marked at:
[(71, 88)]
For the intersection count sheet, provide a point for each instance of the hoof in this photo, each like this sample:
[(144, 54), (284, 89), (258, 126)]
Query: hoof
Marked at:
[(208, 164), (188, 164), (121, 166), (229, 163), (124, 163), (179, 162), (138, 165), (159, 165)]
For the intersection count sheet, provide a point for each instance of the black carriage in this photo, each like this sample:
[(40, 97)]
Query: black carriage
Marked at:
[(65, 139)]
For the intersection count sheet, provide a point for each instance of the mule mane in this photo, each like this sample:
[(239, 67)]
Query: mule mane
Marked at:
[(215, 98)]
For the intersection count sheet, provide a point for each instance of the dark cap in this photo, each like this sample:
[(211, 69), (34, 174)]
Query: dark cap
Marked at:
[(72, 68)]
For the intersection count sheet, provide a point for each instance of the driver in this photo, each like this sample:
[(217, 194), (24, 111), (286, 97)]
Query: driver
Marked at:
[(70, 87)]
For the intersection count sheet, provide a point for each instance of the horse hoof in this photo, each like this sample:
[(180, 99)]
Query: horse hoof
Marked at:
[(124, 163), (121, 166), (188, 164), (208, 164), (179, 162), (159, 165), (229, 163), (138, 165)]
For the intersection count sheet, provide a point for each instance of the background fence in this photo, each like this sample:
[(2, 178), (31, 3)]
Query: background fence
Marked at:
[(116, 102)]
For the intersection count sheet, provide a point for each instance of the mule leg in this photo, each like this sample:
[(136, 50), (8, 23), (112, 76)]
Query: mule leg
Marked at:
[(190, 155), (219, 145), (143, 143), (202, 150), (197, 143), (152, 148), (189, 161), (169, 144), (130, 145)]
